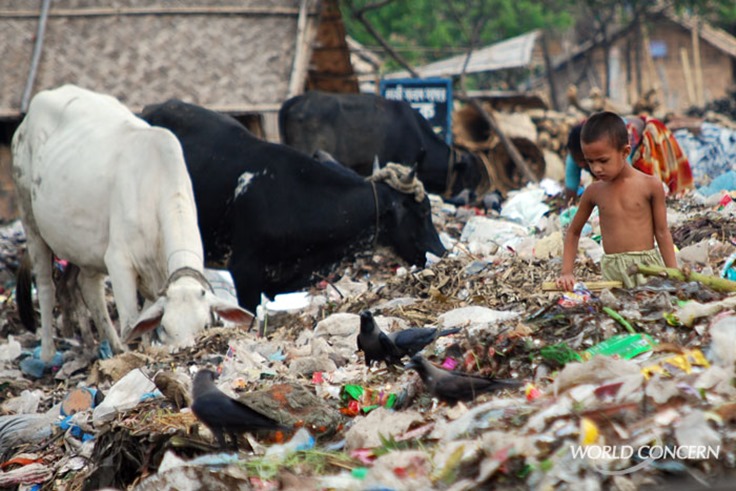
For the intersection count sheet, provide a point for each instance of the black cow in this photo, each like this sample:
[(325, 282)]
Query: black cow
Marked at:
[(354, 128), (281, 216)]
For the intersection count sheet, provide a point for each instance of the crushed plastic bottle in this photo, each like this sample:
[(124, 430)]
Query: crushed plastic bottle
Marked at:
[(301, 441)]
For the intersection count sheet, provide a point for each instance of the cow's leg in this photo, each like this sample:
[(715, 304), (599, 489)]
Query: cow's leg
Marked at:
[(85, 328), (82, 316), (92, 285), (72, 305), (42, 258), (123, 281)]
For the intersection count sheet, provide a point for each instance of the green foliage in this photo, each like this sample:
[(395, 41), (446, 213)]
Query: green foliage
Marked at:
[(389, 444), (426, 30)]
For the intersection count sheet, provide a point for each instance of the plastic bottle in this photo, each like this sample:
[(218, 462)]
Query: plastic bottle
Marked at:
[(301, 440)]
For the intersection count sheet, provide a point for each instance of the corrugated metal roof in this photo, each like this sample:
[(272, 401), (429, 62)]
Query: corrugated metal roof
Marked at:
[(514, 52)]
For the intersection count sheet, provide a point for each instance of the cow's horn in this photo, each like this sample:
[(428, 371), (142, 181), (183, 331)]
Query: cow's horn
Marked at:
[(410, 176), (376, 165)]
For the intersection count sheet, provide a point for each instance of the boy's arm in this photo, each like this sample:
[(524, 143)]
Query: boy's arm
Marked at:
[(572, 179), (661, 230), (566, 280)]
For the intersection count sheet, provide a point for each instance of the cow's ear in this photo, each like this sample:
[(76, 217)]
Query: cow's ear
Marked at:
[(230, 312), (148, 320)]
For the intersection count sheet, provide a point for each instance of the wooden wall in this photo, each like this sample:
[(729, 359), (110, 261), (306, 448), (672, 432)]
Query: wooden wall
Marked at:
[(588, 71)]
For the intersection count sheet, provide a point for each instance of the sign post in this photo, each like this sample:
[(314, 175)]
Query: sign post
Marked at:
[(432, 97)]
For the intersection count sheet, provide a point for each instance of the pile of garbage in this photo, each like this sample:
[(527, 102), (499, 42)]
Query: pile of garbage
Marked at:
[(624, 388), (725, 106)]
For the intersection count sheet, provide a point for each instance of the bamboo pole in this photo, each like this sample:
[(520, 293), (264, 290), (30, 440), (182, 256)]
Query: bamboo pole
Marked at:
[(688, 76), (298, 69), (550, 71), (107, 12), (654, 81), (700, 97), (551, 286), (637, 61)]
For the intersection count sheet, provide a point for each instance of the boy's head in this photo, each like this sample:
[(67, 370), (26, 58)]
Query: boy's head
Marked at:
[(605, 143), (605, 125)]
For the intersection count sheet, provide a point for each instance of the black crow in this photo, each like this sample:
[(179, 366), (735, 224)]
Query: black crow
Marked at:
[(224, 415), (391, 347), (455, 386), (374, 343)]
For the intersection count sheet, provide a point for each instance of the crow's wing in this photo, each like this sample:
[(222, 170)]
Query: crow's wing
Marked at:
[(217, 410)]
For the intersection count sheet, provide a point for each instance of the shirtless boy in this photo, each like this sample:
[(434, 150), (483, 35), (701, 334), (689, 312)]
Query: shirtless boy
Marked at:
[(631, 206)]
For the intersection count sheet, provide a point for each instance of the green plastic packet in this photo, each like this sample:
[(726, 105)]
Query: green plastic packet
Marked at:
[(369, 398), (625, 346), (351, 390)]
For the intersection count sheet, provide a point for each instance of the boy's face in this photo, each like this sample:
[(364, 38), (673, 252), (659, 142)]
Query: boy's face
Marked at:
[(605, 160)]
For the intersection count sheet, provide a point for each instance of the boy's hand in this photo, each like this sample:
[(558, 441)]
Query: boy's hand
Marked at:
[(566, 282)]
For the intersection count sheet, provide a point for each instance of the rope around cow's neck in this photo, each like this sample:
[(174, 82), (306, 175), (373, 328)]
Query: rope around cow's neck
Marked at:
[(395, 176)]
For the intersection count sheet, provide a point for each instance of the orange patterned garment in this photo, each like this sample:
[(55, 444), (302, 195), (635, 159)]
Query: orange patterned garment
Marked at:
[(657, 153)]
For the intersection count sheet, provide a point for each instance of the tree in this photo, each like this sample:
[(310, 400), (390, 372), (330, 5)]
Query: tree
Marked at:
[(422, 31)]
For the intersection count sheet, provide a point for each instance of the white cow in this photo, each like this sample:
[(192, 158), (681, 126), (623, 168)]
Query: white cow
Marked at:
[(103, 189)]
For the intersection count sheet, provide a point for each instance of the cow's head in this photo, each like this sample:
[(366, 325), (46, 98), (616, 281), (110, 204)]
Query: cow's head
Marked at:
[(184, 308), (406, 220), (466, 173)]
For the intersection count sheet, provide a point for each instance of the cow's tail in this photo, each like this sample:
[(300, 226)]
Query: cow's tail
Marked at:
[(23, 287)]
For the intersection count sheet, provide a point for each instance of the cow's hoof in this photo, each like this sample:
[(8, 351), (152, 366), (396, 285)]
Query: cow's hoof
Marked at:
[(48, 354)]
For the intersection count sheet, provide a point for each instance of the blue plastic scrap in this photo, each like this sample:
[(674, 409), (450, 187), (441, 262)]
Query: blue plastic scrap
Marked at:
[(34, 367)]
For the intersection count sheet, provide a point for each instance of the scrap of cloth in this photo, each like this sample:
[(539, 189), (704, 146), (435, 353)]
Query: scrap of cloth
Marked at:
[(657, 153)]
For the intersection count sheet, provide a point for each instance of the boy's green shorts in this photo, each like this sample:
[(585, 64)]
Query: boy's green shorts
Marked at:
[(615, 266)]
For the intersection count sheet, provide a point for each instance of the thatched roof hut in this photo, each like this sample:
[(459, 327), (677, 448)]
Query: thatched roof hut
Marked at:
[(242, 58), (228, 55)]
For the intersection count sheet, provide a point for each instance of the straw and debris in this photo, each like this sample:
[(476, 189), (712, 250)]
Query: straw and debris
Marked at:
[(636, 368)]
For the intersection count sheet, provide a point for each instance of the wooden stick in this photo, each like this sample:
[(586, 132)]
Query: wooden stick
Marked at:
[(654, 80), (106, 12), (551, 286), (699, 96), (688, 76), (302, 48)]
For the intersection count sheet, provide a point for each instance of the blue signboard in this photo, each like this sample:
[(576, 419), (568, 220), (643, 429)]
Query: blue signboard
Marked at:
[(432, 97)]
